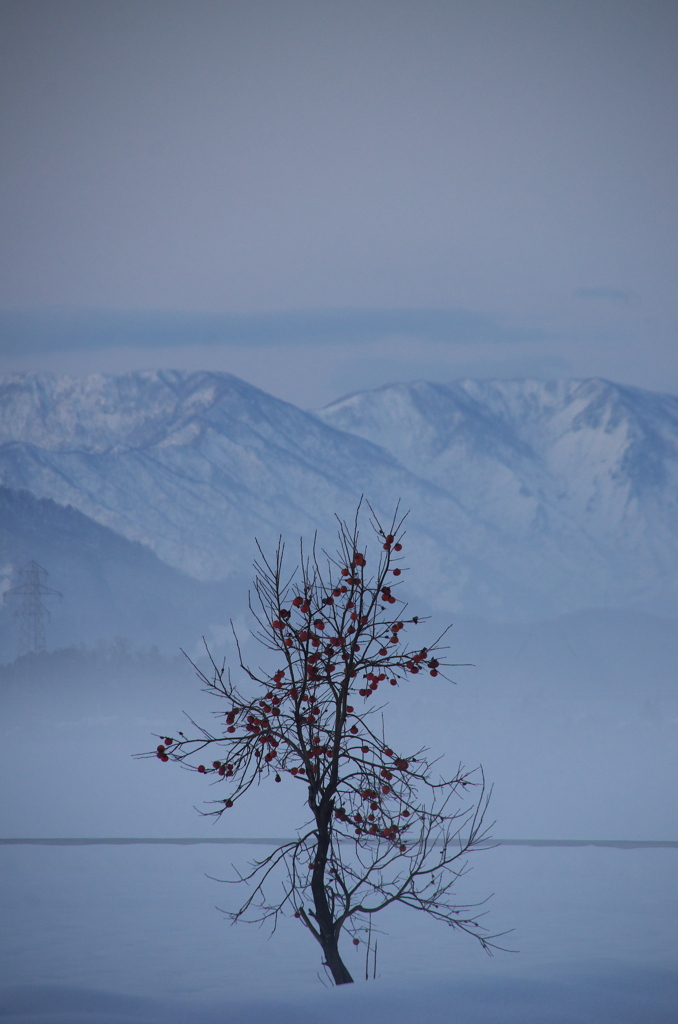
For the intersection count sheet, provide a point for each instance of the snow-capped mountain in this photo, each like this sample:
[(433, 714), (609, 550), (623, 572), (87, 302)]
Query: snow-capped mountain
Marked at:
[(527, 498), (195, 466), (587, 462)]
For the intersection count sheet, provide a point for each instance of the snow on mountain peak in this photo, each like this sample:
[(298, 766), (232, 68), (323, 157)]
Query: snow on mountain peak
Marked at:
[(525, 494), (98, 412)]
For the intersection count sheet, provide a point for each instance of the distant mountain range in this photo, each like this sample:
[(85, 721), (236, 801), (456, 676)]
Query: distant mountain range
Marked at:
[(527, 498)]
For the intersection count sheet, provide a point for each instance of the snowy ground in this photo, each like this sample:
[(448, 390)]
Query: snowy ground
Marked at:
[(578, 748), (130, 934)]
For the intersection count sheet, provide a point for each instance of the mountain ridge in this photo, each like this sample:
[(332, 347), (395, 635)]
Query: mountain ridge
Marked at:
[(527, 497)]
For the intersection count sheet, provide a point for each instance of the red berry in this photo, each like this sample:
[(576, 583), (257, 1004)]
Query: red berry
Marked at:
[(356, 942), (398, 547)]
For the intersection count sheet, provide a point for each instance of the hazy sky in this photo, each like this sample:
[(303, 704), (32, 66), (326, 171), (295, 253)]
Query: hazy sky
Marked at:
[(327, 195)]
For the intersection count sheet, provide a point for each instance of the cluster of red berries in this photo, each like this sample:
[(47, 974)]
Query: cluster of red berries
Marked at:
[(374, 680), (161, 749), (414, 664)]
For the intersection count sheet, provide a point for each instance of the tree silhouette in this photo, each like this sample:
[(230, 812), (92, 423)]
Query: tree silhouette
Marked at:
[(384, 828)]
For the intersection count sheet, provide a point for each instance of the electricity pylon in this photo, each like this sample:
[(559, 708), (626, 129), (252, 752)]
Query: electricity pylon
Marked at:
[(32, 613)]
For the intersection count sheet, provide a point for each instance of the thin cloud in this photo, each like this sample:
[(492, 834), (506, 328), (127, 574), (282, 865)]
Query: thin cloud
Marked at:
[(64, 330), (619, 295)]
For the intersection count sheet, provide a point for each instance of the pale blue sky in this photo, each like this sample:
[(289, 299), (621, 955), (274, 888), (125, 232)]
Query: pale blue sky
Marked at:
[(320, 196)]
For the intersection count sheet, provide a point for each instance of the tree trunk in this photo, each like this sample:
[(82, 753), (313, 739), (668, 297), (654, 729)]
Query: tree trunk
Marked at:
[(328, 937), (339, 970)]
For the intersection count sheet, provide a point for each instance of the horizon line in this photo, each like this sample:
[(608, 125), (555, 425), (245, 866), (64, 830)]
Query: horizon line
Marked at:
[(626, 844)]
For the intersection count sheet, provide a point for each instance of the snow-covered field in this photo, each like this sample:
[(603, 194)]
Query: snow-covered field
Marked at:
[(104, 934)]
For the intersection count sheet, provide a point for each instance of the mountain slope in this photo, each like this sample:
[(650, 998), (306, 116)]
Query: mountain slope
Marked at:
[(527, 498), (195, 466), (111, 587), (592, 463)]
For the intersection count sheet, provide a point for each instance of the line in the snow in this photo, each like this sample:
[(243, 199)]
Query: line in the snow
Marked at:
[(620, 844)]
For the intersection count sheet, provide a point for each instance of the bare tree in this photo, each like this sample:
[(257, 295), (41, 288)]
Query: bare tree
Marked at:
[(384, 828)]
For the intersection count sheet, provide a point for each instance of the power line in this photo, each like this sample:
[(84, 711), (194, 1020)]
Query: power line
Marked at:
[(32, 613)]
